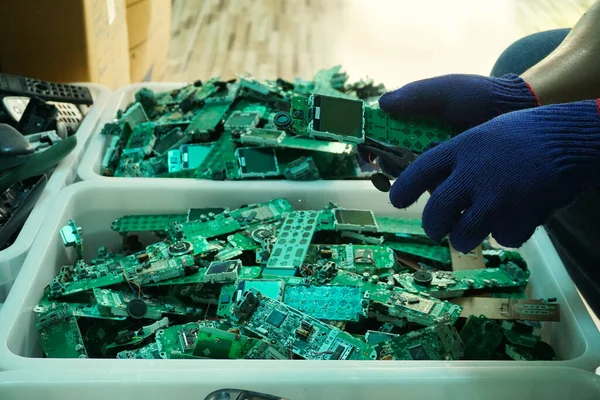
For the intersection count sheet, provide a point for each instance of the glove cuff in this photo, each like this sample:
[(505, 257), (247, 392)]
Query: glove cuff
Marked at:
[(574, 130), (513, 92)]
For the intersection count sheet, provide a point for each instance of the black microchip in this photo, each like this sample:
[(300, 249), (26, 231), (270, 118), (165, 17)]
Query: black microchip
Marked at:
[(337, 353), (276, 318), (342, 117), (418, 353), (354, 217)]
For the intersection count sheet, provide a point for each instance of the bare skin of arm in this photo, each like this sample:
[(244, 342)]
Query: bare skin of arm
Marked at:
[(572, 71)]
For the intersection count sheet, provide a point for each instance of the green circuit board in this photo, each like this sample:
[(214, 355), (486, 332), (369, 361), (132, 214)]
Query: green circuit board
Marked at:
[(448, 284), (437, 342), (269, 281), (60, 335), (304, 335), (197, 131)]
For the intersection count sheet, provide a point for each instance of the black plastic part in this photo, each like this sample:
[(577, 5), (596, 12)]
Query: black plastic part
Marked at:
[(237, 394), (137, 308), (423, 277), (20, 205), (39, 116), (543, 351), (283, 120), (381, 182), (38, 163), (18, 85), (13, 143)]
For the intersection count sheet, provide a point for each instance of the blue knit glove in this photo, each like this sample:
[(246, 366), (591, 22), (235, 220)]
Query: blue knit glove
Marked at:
[(462, 101), (506, 176)]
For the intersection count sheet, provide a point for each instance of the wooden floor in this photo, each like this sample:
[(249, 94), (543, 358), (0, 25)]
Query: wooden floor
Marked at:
[(390, 40)]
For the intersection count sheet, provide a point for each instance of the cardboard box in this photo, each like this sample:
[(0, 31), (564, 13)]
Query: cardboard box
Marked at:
[(149, 28), (65, 40)]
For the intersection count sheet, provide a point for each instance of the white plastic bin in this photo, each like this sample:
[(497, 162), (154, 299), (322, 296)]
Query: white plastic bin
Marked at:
[(89, 169), (13, 256), (94, 205), (359, 384)]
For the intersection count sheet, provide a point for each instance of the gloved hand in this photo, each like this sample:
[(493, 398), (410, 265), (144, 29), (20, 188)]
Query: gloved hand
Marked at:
[(506, 176), (462, 101)]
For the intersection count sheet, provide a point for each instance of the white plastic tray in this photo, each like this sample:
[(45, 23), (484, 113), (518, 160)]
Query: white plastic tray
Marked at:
[(323, 383), (94, 205), (13, 256), (89, 169)]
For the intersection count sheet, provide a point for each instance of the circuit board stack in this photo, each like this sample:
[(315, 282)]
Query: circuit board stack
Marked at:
[(250, 129), (266, 281)]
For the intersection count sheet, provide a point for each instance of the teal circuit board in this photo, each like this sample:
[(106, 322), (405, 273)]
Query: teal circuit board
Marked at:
[(250, 129), (275, 282)]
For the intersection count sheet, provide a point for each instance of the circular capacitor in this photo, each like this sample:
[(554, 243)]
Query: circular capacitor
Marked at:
[(423, 277), (283, 120), (381, 182), (180, 248), (137, 308), (260, 235)]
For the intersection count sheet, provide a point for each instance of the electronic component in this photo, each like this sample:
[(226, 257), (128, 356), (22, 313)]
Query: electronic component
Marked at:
[(333, 303), (302, 169), (324, 118), (430, 252), (232, 221), (293, 241), (134, 337), (223, 271), (273, 288), (242, 120), (438, 342), (233, 272), (18, 85), (265, 350), (354, 220), (257, 162), (399, 303), (377, 337), (188, 156), (446, 284), (481, 337), (149, 352), (219, 344), (124, 303), (336, 118), (305, 336), (280, 139), (71, 237), (512, 309), (413, 133), (60, 334), (179, 341)]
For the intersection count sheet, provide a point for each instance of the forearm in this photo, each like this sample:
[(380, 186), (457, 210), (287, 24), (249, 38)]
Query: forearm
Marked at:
[(572, 71)]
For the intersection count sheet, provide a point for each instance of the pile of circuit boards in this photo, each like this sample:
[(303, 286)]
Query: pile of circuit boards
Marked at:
[(248, 129), (38, 122), (266, 281)]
